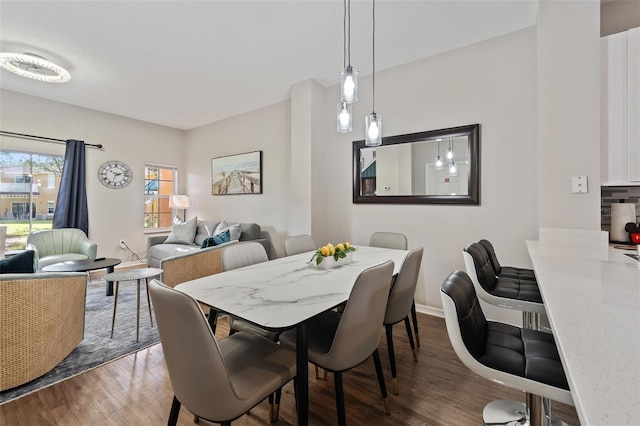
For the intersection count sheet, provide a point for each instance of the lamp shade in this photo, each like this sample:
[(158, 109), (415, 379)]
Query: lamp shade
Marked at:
[(179, 201)]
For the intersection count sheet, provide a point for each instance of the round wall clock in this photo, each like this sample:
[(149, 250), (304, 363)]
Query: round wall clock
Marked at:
[(115, 174)]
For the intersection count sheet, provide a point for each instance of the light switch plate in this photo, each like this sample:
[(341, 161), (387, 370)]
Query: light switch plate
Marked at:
[(579, 185)]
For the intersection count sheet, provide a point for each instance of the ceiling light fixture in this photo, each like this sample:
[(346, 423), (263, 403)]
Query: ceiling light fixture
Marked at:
[(439, 162), (347, 96), (33, 66), (373, 121), (348, 77), (450, 150)]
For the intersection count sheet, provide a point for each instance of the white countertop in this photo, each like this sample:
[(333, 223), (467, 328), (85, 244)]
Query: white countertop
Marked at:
[(284, 292), (592, 298)]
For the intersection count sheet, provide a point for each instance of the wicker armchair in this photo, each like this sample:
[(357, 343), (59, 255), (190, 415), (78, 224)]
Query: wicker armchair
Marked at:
[(42, 317)]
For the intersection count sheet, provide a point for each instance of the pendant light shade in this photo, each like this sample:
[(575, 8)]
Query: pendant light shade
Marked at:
[(439, 162), (349, 84), (373, 130), (344, 117), (453, 169), (373, 121)]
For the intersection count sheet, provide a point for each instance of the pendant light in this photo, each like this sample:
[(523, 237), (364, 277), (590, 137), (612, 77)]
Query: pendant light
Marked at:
[(348, 77), (373, 121), (345, 115), (450, 151), (439, 162), (453, 169)]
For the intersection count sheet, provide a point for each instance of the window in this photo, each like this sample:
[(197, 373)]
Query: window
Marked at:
[(24, 205), (159, 183)]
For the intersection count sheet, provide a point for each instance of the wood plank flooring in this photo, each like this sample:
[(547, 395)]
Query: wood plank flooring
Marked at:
[(135, 390)]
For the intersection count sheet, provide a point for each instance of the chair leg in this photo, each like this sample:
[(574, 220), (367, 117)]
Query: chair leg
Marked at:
[(115, 304), (383, 388), (392, 356), (146, 284), (270, 399), (414, 316), (337, 376), (276, 411), (175, 410), (410, 336)]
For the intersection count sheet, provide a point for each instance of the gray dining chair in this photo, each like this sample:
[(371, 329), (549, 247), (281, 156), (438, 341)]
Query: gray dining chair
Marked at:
[(216, 381), (338, 342), (298, 244), (237, 256), (397, 241), (399, 306)]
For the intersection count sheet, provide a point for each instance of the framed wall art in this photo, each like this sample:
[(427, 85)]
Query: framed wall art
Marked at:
[(237, 174)]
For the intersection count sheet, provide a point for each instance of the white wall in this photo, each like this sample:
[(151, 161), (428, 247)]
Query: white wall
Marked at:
[(492, 83), (266, 130), (114, 214), (569, 113)]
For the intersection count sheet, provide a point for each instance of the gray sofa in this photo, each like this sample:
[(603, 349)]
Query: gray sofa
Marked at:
[(158, 250)]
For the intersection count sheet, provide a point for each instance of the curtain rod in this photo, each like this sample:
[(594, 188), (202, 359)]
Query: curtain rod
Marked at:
[(23, 135)]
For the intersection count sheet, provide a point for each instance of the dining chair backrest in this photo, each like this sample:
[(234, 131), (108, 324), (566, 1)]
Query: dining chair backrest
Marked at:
[(404, 288), (243, 254), (391, 240), (358, 332), (194, 361), (298, 244)]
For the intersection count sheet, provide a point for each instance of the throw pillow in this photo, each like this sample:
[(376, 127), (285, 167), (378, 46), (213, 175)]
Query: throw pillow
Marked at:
[(183, 233), (234, 230), (216, 239), (21, 263)]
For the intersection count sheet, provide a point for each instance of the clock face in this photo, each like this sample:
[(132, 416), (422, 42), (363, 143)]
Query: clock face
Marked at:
[(114, 174)]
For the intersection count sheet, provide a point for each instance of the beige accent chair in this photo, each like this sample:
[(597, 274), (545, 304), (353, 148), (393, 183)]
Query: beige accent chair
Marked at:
[(216, 381), (42, 317), (399, 306), (397, 241), (298, 244), (60, 245), (340, 341)]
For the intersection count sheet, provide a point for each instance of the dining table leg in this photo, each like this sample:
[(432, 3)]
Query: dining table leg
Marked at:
[(302, 375)]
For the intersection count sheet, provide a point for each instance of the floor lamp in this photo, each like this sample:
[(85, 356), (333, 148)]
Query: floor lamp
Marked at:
[(180, 202)]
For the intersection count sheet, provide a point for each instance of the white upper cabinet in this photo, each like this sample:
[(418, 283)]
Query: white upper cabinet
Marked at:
[(620, 108)]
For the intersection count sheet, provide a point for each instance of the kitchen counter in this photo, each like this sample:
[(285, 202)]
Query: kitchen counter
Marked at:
[(592, 298)]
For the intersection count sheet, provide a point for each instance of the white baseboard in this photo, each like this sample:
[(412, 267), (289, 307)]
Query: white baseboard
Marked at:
[(430, 310)]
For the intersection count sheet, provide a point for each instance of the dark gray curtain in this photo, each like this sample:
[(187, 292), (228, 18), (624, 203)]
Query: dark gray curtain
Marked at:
[(71, 207)]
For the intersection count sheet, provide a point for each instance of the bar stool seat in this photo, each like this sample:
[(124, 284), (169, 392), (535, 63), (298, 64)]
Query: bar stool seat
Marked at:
[(138, 275), (523, 359)]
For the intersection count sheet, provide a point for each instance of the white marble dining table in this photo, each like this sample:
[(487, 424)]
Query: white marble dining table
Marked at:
[(284, 293), (592, 299)]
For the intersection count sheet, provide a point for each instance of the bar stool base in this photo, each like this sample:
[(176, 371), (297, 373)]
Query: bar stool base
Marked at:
[(512, 413), (505, 413)]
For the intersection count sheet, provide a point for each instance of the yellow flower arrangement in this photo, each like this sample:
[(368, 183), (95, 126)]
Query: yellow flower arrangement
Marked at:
[(339, 251)]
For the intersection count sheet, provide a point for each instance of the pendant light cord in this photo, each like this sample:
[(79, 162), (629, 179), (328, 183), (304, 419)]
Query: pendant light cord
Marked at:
[(344, 36), (374, 56), (349, 31)]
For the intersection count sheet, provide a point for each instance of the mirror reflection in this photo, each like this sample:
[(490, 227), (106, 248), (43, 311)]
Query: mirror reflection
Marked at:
[(439, 166)]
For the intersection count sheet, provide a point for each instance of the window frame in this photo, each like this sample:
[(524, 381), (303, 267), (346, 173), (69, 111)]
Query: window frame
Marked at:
[(158, 199)]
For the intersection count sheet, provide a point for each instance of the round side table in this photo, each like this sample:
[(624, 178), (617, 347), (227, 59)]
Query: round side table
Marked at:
[(137, 274)]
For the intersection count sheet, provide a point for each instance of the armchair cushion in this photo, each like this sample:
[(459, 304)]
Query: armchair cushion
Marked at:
[(21, 263)]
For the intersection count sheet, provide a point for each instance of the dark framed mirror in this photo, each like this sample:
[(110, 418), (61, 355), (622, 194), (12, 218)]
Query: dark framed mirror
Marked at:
[(406, 169)]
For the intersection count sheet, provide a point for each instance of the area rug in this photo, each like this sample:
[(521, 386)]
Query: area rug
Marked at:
[(97, 348)]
